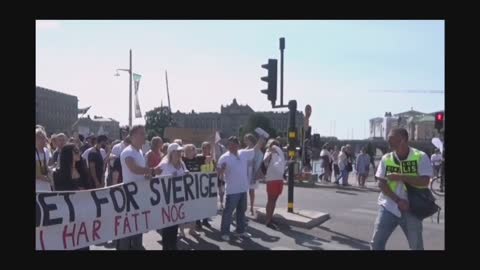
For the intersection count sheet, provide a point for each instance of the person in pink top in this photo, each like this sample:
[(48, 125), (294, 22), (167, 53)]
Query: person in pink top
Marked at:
[(154, 155)]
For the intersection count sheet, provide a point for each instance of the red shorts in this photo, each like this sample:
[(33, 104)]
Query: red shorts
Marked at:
[(274, 188)]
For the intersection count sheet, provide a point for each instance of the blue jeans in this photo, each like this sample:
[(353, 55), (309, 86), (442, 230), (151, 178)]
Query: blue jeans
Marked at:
[(387, 222), (344, 176), (234, 201)]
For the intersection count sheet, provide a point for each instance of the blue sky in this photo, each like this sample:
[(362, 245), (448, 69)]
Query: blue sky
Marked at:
[(331, 65)]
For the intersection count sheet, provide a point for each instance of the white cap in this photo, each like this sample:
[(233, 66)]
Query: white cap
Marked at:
[(174, 147)]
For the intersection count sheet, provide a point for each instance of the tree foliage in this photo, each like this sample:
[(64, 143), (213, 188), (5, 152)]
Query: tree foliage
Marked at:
[(156, 121), (258, 120)]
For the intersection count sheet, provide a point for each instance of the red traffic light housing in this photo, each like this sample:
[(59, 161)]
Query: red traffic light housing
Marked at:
[(439, 119)]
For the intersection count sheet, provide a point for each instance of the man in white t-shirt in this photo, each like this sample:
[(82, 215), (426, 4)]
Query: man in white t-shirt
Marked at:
[(393, 199), (118, 148), (134, 168), (233, 165)]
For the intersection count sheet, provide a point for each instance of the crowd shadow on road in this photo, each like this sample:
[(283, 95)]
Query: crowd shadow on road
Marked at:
[(262, 235), (243, 243), (186, 243), (302, 239), (348, 240)]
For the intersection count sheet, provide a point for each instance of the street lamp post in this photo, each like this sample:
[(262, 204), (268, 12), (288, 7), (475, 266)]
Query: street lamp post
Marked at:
[(130, 73)]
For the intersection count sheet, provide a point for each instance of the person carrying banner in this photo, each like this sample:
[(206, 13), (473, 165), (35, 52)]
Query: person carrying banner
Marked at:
[(207, 165), (192, 164), (134, 168), (172, 165)]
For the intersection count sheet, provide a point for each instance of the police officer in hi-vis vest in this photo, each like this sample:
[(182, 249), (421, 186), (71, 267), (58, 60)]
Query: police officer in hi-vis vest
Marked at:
[(403, 165)]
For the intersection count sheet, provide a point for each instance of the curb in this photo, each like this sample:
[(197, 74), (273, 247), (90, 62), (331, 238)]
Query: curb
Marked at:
[(347, 187)]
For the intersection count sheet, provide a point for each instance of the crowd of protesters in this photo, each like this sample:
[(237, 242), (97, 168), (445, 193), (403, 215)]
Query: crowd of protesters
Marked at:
[(79, 163)]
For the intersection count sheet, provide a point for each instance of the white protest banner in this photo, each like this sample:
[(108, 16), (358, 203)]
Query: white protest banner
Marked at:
[(74, 219)]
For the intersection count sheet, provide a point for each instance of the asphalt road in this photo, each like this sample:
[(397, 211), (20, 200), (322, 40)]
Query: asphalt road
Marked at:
[(352, 211)]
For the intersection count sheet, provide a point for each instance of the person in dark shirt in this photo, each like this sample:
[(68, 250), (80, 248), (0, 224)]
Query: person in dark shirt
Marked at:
[(193, 165), (72, 173), (207, 165), (95, 161), (90, 141)]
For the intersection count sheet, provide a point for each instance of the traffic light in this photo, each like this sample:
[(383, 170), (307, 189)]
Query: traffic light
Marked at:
[(271, 80), (316, 140), (439, 118)]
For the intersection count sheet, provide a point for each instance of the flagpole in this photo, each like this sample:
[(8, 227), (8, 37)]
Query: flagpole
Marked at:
[(130, 72)]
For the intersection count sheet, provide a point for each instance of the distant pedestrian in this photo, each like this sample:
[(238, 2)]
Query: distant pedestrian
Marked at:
[(362, 167), (325, 156), (342, 165), (436, 162), (336, 169)]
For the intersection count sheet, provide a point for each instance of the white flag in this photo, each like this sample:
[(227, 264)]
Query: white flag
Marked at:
[(136, 80)]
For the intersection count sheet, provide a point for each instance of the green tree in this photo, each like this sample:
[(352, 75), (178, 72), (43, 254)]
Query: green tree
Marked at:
[(261, 121), (156, 121)]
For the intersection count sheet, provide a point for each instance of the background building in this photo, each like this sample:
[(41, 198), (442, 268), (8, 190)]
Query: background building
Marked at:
[(56, 111), (231, 118), (98, 126), (420, 126)]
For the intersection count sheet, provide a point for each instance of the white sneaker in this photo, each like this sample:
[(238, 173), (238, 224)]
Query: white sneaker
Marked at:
[(244, 234), (226, 237)]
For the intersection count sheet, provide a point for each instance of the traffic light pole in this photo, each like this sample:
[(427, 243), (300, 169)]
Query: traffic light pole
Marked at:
[(282, 48), (271, 92), (292, 151)]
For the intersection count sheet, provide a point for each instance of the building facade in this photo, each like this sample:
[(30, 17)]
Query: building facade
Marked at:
[(98, 126), (231, 119), (420, 126), (56, 111)]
